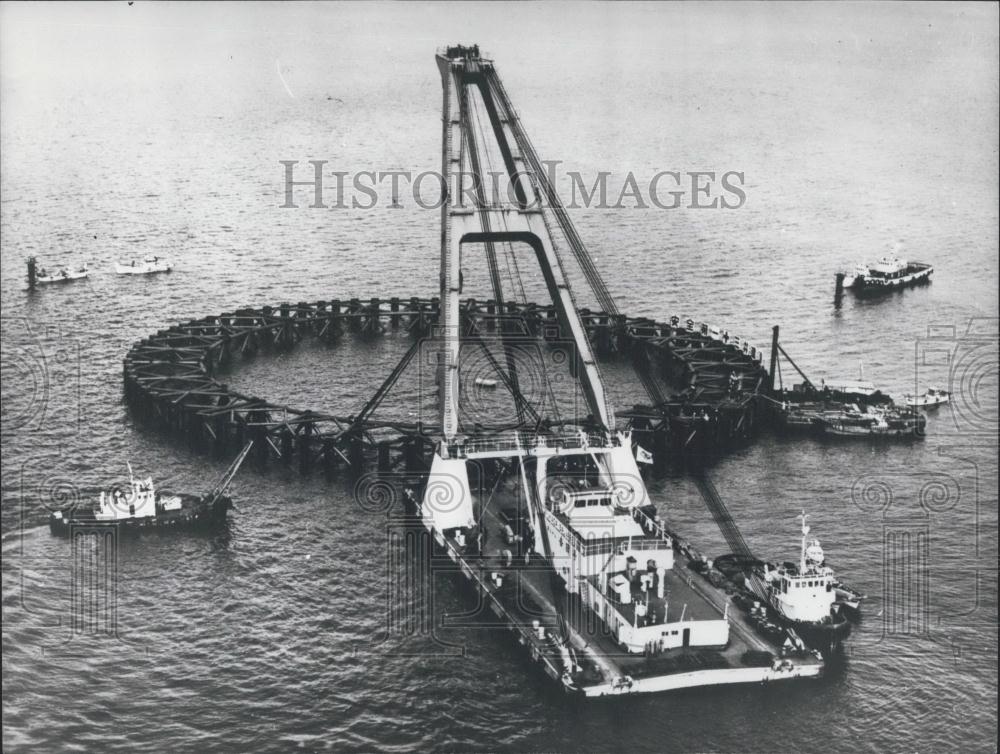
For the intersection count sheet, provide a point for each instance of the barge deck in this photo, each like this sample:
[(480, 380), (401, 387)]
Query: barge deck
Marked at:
[(522, 595)]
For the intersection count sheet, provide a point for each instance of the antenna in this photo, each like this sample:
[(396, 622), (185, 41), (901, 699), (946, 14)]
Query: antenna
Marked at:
[(131, 478)]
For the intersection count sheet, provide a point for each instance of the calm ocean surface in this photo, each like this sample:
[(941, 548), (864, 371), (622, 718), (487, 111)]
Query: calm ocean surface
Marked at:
[(126, 130)]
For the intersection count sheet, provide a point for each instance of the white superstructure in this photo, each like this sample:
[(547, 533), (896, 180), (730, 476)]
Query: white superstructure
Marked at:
[(806, 593), (602, 540)]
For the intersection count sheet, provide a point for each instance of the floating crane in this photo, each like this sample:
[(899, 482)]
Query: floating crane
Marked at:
[(576, 498)]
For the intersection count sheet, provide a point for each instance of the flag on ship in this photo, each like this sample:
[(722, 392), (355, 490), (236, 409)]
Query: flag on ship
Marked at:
[(642, 455)]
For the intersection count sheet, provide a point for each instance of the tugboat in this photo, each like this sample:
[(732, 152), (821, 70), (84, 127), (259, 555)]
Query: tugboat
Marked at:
[(142, 508), (806, 597), (887, 274), (933, 398), (147, 266), (62, 275)]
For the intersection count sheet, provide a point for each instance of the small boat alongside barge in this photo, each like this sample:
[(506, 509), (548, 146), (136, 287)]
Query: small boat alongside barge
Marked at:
[(804, 597), (835, 419), (895, 422)]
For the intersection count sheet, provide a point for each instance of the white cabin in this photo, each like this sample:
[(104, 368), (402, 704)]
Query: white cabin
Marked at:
[(806, 593), (803, 596), (888, 268), (139, 502)]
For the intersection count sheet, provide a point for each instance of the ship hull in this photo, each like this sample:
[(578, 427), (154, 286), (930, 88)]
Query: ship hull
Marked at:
[(826, 637)]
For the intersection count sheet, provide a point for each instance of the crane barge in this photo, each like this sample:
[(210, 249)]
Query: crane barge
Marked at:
[(612, 607)]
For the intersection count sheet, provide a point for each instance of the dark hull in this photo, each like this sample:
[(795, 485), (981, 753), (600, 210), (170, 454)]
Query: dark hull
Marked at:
[(826, 637), (194, 514), (852, 613)]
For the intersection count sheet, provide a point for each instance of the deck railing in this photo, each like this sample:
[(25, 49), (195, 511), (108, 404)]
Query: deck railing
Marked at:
[(523, 441)]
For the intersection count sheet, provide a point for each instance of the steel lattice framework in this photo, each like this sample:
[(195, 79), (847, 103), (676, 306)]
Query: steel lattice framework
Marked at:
[(170, 378)]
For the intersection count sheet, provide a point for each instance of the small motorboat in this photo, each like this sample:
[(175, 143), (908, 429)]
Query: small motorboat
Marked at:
[(932, 398), (485, 382), (147, 266), (141, 507), (62, 275)]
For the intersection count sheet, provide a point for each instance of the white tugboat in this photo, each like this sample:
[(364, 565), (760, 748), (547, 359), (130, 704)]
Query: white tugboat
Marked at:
[(147, 266), (888, 273), (805, 597), (931, 399), (141, 507)]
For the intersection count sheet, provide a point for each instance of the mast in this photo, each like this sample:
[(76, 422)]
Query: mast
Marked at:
[(802, 556)]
